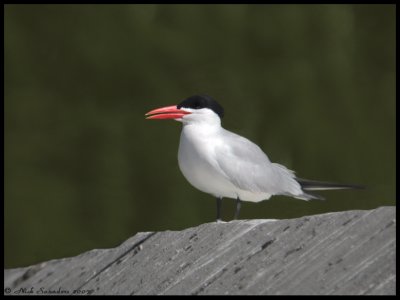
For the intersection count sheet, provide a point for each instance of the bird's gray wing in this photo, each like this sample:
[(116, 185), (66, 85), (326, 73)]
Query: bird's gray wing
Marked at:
[(246, 166)]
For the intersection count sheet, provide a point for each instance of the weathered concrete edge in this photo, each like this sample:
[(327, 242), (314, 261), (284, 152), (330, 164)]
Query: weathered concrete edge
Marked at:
[(132, 244)]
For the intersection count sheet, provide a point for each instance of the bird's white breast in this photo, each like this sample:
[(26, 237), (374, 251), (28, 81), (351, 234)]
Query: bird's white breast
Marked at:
[(197, 157)]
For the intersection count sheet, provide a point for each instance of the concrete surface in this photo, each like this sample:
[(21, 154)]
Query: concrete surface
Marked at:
[(348, 253)]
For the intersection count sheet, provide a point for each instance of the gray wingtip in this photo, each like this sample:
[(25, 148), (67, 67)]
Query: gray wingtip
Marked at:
[(313, 185)]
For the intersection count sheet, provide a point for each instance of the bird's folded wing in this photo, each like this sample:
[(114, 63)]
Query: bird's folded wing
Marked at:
[(246, 166)]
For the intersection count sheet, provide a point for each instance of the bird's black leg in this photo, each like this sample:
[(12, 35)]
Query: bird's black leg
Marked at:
[(238, 205), (219, 204)]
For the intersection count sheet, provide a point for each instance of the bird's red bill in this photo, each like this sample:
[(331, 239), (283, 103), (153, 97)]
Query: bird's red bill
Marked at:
[(168, 112)]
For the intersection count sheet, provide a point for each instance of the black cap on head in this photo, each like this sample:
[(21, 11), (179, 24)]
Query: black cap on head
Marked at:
[(202, 101)]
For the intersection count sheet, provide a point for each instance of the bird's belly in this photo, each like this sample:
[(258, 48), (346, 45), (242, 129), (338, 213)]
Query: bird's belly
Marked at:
[(205, 178), (201, 174)]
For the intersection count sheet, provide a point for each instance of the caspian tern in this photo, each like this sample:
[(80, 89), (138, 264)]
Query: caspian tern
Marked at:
[(224, 164)]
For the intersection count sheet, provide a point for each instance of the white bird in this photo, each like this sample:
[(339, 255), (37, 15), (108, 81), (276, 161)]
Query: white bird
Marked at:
[(224, 164)]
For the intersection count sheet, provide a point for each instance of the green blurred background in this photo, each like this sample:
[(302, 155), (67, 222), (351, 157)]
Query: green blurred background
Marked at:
[(313, 85)]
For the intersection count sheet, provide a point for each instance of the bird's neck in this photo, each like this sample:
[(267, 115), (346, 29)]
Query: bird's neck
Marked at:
[(201, 129)]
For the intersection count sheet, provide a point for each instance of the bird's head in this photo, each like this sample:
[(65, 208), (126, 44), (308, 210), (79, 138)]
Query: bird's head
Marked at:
[(195, 109)]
